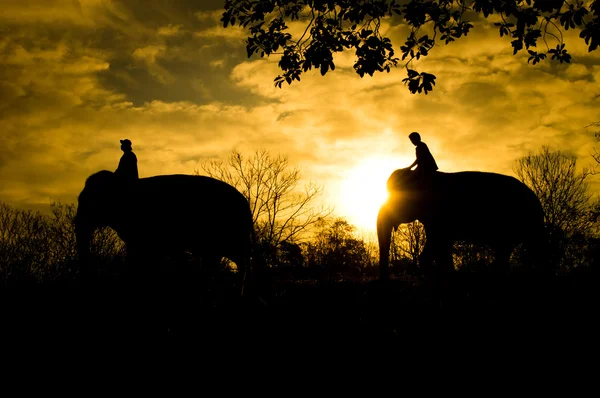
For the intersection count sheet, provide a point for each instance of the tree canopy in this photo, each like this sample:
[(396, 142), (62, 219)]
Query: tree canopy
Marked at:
[(332, 26)]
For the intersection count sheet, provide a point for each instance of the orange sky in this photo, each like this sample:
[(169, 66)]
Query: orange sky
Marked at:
[(77, 76)]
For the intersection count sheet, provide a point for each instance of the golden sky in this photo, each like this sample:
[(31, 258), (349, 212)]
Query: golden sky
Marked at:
[(78, 76)]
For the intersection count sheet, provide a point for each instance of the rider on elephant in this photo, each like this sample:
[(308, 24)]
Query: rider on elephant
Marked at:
[(127, 169), (425, 162)]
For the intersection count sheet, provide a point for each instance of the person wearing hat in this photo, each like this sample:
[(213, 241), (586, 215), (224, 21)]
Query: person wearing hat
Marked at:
[(127, 168), (425, 162)]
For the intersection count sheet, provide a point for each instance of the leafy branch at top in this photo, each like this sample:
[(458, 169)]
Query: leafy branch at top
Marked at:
[(333, 26)]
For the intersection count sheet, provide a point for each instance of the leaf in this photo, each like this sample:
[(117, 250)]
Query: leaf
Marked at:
[(517, 45), (412, 73), (428, 81), (365, 33), (323, 69), (278, 81), (547, 5)]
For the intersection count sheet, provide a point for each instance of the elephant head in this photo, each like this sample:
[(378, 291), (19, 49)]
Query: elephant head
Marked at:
[(97, 207), (406, 203), (409, 195), (484, 208)]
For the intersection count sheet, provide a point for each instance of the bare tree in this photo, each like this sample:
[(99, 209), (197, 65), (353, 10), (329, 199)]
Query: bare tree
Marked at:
[(408, 242), (281, 210), (561, 189)]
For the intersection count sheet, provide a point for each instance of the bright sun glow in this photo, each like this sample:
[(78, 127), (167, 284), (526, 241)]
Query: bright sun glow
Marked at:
[(364, 189)]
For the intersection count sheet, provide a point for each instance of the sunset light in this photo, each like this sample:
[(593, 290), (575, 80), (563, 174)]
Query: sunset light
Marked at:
[(364, 189)]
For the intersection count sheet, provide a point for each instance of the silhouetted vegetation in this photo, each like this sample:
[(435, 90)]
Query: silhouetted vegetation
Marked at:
[(40, 248), (336, 250), (330, 27), (570, 211)]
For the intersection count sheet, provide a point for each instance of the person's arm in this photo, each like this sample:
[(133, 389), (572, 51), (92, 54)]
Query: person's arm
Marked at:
[(418, 153)]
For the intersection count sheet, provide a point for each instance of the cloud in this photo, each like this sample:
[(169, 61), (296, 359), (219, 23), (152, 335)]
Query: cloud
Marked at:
[(75, 77), (170, 30), (212, 27), (149, 56), (44, 11)]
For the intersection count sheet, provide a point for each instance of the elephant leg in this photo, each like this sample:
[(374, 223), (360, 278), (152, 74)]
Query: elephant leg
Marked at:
[(501, 262), (244, 272), (135, 261), (178, 270), (436, 261), (88, 270), (210, 266), (211, 262), (528, 256), (384, 235), (538, 256), (438, 251), (426, 260), (443, 258), (149, 264)]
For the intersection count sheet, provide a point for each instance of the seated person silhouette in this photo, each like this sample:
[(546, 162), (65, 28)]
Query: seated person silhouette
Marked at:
[(127, 169), (426, 166)]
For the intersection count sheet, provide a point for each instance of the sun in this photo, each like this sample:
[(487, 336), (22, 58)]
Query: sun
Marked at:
[(363, 191)]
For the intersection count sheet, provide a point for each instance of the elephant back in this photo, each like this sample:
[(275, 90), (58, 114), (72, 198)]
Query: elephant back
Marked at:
[(178, 202), (186, 190), (407, 180), (494, 198)]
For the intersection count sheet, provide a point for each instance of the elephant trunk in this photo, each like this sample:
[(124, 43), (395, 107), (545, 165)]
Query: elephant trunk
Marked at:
[(384, 235)]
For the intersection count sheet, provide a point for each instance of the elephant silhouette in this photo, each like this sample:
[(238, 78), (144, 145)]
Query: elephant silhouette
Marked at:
[(483, 208), (167, 215)]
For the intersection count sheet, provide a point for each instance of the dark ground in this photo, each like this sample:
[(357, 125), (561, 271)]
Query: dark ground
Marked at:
[(363, 313), (474, 332)]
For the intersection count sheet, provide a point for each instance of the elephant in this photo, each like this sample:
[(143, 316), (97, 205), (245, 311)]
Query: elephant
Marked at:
[(477, 207), (167, 215)]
